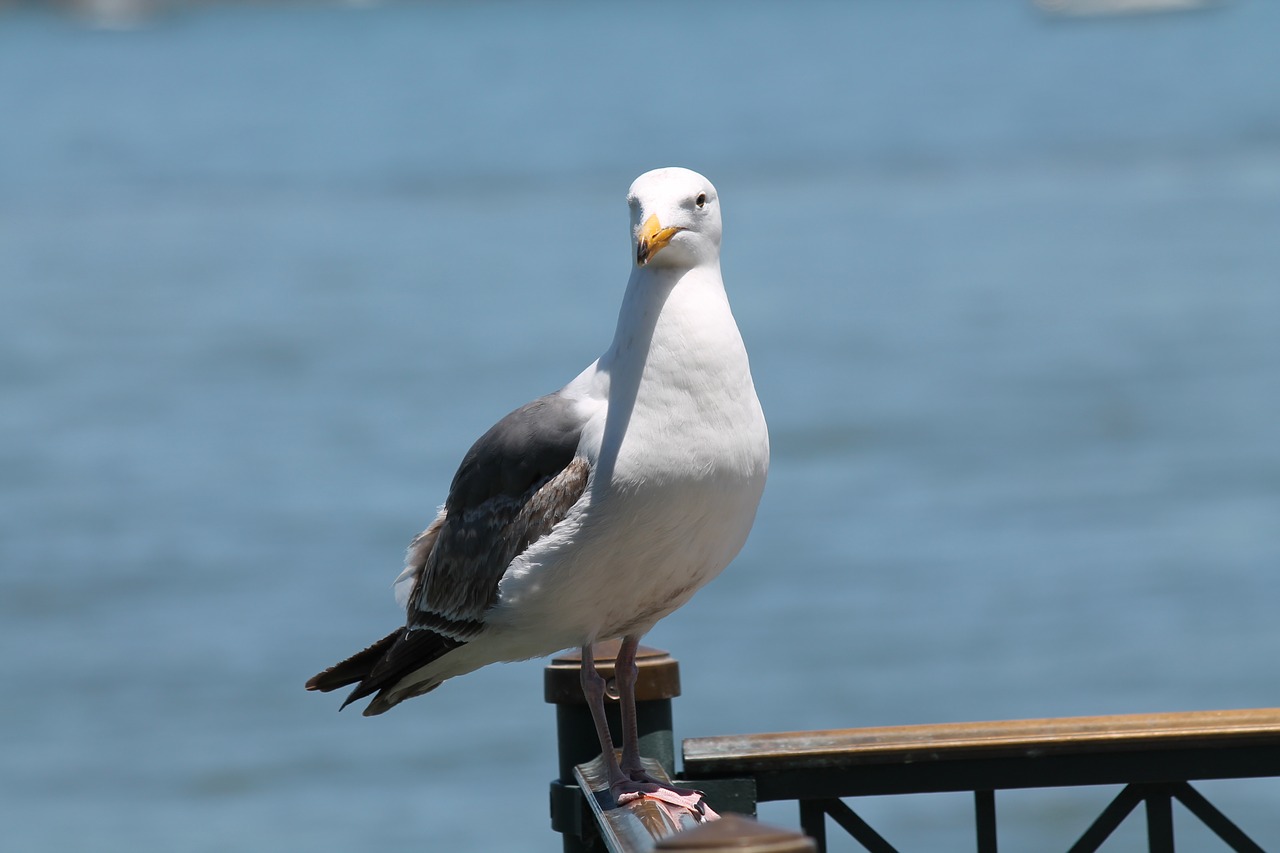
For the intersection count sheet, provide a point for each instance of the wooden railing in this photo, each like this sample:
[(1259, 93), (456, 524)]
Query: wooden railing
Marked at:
[(1155, 757)]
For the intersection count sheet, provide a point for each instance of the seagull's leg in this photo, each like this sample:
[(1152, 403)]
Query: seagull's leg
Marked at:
[(593, 690), (638, 783), (626, 672)]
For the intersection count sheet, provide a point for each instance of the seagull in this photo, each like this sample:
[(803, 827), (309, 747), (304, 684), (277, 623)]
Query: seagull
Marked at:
[(591, 513)]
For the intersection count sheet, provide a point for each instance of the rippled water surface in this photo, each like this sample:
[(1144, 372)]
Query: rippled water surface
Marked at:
[(1011, 287)]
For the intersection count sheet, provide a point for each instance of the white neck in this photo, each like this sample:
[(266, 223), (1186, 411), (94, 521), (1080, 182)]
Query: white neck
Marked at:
[(669, 312), (676, 364)]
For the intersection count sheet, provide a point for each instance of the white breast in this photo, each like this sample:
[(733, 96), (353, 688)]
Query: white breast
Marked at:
[(679, 452)]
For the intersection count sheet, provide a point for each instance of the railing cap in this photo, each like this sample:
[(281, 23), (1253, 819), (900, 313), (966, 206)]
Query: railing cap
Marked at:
[(659, 675), (737, 834)]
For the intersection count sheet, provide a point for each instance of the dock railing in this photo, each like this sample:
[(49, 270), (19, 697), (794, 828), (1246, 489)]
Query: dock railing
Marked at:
[(1154, 757)]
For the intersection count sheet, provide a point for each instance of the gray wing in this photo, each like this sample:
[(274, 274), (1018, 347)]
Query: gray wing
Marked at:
[(515, 483)]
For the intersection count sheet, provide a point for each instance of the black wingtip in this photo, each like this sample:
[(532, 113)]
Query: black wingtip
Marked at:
[(379, 669), (355, 668)]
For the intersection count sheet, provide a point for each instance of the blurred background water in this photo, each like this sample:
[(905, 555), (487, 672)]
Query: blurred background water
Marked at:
[(1010, 283)]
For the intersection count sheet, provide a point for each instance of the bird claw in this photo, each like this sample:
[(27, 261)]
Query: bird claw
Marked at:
[(643, 786)]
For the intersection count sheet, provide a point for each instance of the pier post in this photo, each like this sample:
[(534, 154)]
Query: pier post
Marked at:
[(657, 684)]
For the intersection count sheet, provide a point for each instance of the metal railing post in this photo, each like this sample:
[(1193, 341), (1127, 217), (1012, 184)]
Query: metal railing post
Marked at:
[(657, 684)]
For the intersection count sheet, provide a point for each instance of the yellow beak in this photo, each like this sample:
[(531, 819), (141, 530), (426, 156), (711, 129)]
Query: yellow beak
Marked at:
[(652, 238)]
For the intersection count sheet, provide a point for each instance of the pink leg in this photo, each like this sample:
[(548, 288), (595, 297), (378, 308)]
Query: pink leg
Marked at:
[(593, 690), (626, 672), (636, 782)]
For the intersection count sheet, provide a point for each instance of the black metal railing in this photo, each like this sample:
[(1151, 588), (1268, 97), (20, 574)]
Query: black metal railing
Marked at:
[(1154, 757)]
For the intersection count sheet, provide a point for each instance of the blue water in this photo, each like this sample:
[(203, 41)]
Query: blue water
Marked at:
[(1011, 286)]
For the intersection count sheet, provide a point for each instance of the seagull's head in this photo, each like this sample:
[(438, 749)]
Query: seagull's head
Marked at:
[(675, 219)]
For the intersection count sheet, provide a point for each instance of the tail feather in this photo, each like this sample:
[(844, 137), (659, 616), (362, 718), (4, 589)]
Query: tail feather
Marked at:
[(355, 668), (381, 667)]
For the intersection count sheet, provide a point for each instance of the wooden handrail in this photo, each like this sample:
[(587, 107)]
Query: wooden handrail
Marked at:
[(995, 755), (948, 741), (635, 827), (1154, 756), (645, 826)]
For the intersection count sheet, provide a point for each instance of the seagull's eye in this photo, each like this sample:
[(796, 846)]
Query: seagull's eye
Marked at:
[(701, 199)]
